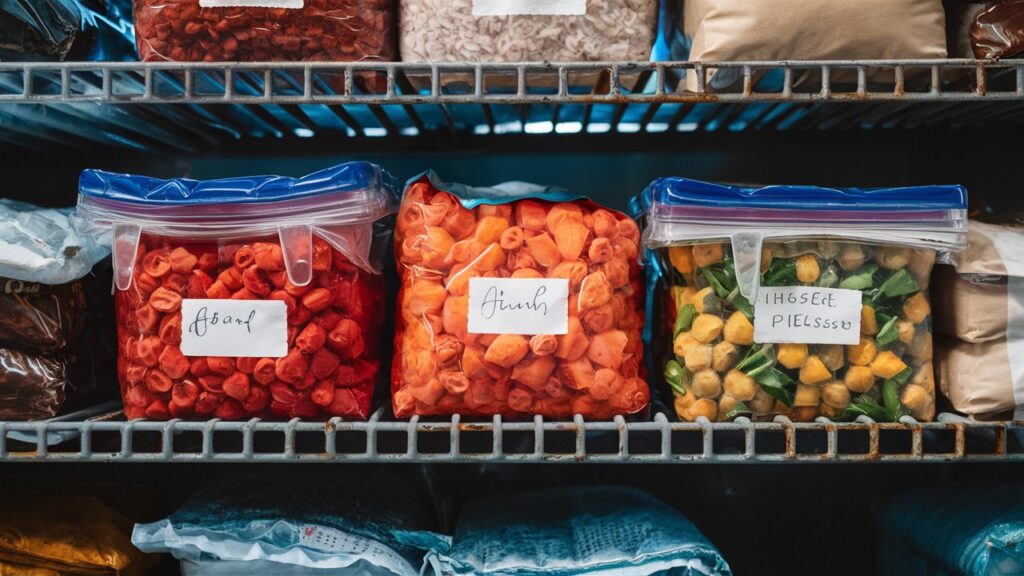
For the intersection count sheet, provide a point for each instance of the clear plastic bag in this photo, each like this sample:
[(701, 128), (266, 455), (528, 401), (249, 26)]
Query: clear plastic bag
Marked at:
[(265, 30), (246, 296), (38, 29), (515, 300), (592, 531), (841, 279), (40, 317), (998, 30), (41, 245)]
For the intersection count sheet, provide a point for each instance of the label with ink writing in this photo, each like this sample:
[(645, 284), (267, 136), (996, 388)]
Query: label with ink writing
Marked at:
[(529, 7), (235, 328), (807, 315), (518, 306)]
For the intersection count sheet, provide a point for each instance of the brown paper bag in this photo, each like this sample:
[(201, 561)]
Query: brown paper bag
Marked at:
[(977, 378)]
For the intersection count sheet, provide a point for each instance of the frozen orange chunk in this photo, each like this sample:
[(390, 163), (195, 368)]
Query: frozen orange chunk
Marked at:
[(507, 349), (571, 238), (544, 250), (595, 290), (534, 372), (530, 215), (606, 348), (575, 343)]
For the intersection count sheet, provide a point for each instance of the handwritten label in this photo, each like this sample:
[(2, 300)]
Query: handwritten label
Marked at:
[(235, 328), (518, 306), (529, 7), (807, 315), (251, 3)]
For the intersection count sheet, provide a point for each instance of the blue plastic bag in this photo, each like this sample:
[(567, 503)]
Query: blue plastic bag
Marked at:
[(338, 524), (591, 531), (970, 530)]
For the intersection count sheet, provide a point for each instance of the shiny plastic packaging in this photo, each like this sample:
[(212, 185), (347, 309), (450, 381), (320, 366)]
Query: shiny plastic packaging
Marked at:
[(245, 297), (964, 529), (515, 300), (576, 531), (839, 276), (998, 30), (79, 30), (260, 31)]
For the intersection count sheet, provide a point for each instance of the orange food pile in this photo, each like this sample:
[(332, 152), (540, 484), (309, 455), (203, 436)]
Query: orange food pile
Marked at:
[(440, 368), (333, 328)]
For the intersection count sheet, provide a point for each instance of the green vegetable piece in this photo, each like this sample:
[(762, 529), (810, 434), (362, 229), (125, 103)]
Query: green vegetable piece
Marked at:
[(891, 395), (739, 409), (828, 278), (862, 279), (674, 373), (684, 319), (867, 406), (715, 277), (888, 333), (899, 283), (781, 272), (777, 384)]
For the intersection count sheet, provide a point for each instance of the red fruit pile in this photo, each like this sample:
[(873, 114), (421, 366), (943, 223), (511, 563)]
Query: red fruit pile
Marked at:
[(334, 325)]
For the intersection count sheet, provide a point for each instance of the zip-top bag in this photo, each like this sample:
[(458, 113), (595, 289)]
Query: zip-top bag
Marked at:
[(796, 300), (245, 297)]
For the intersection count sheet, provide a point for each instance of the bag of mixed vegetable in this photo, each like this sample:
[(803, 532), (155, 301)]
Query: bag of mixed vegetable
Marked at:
[(799, 301)]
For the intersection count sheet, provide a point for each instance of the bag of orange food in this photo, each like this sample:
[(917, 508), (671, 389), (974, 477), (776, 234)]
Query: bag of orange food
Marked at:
[(516, 300)]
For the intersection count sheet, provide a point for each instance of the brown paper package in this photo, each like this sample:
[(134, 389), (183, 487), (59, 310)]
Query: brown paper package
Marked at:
[(976, 378), (971, 308)]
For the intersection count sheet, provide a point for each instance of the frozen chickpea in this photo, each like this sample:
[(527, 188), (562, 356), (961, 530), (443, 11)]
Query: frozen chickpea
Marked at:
[(918, 400), (916, 308), (706, 328), (739, 330), (887, 365), (698, 357), (703, 407), (683, 402), (921, 262), (803, 413), (724, 356), (893, 257), (905, 329), (814, 371), (925, 377), (921, 346), (683, 295), (706, 384), (762, 402), (831, 355), (859, 379), (863, 353), (706, 302), (830, 412), (791, 356), (725, 405), (836, 395), (807, 395), (807, 269), (851, 257), (705, 255), (682, 343), (681, 258), (828, 248), (767, 253), (868, 322), (740, 386)]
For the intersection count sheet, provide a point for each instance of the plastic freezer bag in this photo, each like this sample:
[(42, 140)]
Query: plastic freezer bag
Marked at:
[(38, 29), (515, 300), (596, 530), (265, 30), (245, 297), (341, 525), (41, 245), (963, 529), (998, 30), (796, 300)]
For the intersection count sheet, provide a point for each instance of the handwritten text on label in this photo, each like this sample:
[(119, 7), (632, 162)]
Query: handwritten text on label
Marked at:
[(234, 328), (518, 306), (807, 315)]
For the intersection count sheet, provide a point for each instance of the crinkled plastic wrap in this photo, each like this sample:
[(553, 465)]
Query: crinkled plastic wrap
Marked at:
[(598, 530), (41, 317), (998, 30), (496, 30), (969, 529), (275, 30), (333, 524), (41, 245), (309, 243), (449, 238), (32, 386), (38, 29), (107, 33), (47, 534), (711, 361)]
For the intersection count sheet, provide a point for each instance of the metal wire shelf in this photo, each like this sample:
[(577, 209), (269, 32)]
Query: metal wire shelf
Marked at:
[(192, 106), (951, 438)]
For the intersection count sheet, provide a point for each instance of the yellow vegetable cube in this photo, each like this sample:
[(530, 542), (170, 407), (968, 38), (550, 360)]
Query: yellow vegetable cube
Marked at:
[(831, 355), (681, 258), (807, 269), (706, 328), (683, 295), (791, 356), (919, 401), (683, 343), (916, 308), (807, 395), (702, 298), (859, 379), (766, 258), (868, 322), (887, 365), (740, 386), (703, 407), (863, 353), (905, 329), (724, 356), (682, 403), (707, 254), (830, 412), (697, 357), (814, 371), (739, 330)]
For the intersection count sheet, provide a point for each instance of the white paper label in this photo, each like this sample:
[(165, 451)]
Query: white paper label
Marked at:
[(529, 7), (251, 3), (235, 328), (518, 306), (807, 315)]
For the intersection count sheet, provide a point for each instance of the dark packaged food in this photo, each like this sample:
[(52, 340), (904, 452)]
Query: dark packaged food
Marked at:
[(37, 29), (998, 30), (40, 317)]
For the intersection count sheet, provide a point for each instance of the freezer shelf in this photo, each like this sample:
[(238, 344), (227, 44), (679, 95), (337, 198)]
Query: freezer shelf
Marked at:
[(951, 438), (199, 106)]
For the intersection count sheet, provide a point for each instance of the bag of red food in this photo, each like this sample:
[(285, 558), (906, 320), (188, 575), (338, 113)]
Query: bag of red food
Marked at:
[(516, 300), (265, 30), (245, 297)]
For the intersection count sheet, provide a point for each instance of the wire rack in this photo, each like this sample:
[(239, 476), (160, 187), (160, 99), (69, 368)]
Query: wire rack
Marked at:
[(196, 106), (102, 437)]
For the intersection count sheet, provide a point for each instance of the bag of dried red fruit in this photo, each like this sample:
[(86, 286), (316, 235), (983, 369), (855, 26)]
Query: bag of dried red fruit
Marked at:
[(245, 297), (516, 300)]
